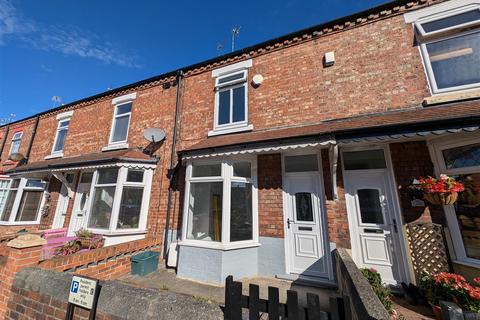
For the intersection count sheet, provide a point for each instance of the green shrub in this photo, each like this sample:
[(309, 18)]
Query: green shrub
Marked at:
[(382, 291)]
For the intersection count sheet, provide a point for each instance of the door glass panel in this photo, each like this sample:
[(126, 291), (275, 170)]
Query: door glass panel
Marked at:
[(301, 163), (462, 157), (83, 201), (303, 205), (370, 207), (361, 160)]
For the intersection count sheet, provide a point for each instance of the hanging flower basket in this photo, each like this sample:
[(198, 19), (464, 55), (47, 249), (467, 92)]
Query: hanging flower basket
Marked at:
[(441, 191), (441, 198)]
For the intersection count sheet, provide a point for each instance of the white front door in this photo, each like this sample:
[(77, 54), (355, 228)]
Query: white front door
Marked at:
[(81, 203), (373, 225), (306, 246), (62, 206)]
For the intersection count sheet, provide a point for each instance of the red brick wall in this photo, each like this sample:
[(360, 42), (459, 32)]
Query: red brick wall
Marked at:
[(412, 160), (270, 196), (377, 69), (27, 128), (337, 217)]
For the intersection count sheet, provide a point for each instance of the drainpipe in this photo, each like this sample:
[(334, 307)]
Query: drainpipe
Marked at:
[(4, 141), (27, 155), (171, 171)]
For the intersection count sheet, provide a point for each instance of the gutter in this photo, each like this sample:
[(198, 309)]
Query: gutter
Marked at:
[(173, 165)]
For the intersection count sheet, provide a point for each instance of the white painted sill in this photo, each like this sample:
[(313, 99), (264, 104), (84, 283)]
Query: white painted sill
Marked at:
[(117, 146), (218, 132), (107, 233), (17, 223), (54, 156), (219, 246), (467, 263)]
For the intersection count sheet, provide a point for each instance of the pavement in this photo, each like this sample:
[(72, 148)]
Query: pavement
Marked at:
[(167, 280)]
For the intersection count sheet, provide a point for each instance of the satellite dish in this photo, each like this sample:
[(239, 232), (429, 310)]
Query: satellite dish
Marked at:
[(16, 157), (154, 135)]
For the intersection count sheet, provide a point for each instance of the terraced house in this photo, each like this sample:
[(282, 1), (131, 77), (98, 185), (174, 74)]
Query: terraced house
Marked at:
[(275, 154)]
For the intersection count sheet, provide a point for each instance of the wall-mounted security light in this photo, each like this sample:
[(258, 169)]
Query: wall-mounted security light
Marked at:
[(257, 80)]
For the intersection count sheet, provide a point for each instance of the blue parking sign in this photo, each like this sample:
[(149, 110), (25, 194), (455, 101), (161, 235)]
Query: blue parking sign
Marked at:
[(74, 287)]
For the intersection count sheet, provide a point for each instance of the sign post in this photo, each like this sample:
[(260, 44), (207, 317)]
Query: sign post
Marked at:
[(84, 293)]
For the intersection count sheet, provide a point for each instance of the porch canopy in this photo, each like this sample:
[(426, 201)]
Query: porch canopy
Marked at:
[(409, 123), (127, 157)]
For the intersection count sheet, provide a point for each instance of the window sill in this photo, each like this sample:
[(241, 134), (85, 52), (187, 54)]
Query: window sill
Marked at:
[(219, 246), (451, 97), (54, 156), (24, 223), (470, 263), (108, 233), (117, 146), (219, 132)]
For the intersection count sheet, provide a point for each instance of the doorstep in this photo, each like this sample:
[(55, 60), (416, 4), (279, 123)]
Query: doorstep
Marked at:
[(308, 281)]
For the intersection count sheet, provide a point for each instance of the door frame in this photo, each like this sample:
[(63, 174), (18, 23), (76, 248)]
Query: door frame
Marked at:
[(58, 213), (403, 257), (77, 185), (322, 218)]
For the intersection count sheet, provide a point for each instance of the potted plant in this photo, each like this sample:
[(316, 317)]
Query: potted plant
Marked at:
[(84, 237), (68, 248), (441, 191), (454, 288)]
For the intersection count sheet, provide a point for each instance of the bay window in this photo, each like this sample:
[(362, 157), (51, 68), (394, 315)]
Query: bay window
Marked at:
[(21, 201), (461, 159), (221, 202), (120, 199)]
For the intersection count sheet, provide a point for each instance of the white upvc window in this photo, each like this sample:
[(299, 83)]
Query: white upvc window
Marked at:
[(61, 134), (220, 208), (16, 140), (120, 200), (449, 39), (121, 122), (23, 201), (231, 98), (460, 158)]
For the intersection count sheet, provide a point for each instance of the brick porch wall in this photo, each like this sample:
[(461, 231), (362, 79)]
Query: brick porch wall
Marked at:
[(270, 197), (412, 160)]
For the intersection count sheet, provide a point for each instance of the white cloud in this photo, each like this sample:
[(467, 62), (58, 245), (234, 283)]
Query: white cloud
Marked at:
[(66, 40)]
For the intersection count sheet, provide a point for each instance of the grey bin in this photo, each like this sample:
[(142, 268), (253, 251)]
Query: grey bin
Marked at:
[(145, 263)]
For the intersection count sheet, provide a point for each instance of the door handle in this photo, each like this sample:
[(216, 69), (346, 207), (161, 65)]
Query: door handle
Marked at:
[(394, 224), (288, 223)]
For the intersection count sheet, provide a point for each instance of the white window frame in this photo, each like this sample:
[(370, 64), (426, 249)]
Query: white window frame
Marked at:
[(117, 102), (221, 73), (436, 147), (441, 11), (119, 184), (226, 178), (17, 136), (7, 189), (16, 204), (66, 116)]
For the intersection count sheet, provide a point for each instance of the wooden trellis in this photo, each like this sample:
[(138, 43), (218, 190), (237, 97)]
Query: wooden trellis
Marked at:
[(427, 247)]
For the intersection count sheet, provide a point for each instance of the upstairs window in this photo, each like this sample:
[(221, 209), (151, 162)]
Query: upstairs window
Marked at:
[(231, 98), (450, 45), (16, 140), (61, 135), (121, 122)]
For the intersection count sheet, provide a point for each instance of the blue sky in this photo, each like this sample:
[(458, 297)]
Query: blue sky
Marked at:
[(77, 48)]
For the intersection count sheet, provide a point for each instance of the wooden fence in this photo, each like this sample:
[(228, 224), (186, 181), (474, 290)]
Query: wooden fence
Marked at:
[(235, 301)]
